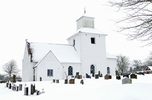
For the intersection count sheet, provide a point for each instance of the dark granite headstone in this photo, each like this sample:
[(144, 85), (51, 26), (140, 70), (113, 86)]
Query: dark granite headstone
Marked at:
[(82, 82), (66, 81), (133, 76), (118, 77), (96, 76), (57, 80)]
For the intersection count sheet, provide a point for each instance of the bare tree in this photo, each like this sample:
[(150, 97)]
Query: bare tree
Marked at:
[(11, 68), (138, 18), (137, 64), (122, 63)]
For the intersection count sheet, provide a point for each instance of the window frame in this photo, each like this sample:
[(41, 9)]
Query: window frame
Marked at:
[(49, 72), (93, 40)]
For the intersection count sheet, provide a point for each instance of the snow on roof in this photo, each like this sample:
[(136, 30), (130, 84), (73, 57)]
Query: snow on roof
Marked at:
[(110, 56), (88, 30), (64, 53)]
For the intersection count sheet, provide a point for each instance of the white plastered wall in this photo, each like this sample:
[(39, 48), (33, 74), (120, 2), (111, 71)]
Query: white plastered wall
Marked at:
[(49, 62)]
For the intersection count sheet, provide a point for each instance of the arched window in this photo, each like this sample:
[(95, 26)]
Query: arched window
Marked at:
[(108, 70), (70, 70), (92, 69)]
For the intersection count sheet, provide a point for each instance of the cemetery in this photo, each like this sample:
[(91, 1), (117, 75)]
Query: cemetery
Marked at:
[(88, 88)]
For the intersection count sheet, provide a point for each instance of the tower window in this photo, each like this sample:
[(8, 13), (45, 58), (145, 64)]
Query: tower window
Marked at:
[(92, 40)]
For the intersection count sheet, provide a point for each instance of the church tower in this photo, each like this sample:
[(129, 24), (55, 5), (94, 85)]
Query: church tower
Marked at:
[(90, 46)]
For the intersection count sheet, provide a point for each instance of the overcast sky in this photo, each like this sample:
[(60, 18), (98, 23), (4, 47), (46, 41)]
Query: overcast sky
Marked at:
[(53, 21)]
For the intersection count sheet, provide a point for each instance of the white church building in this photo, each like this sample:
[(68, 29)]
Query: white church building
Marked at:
[(84, 53)]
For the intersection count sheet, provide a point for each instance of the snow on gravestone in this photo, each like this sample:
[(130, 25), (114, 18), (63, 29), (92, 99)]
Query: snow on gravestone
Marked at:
[(126, 81)]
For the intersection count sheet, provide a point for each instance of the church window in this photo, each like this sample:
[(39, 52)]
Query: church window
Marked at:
[(70, 70), (92, 69), (108, 70), (50, 72), (92, 40)]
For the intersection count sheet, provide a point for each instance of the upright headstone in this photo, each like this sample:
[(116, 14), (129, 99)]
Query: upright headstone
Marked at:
[(133, 76), (99, 73), (20, 87), (77, 75), (82, 82), (66, 81), (80, 77), (106, 77), (57, 80), (93, 74), (110, 77), (40, 78), (118, 77), (126, 81), (96, 76), (7, 84), (10, 85), (25, 90)]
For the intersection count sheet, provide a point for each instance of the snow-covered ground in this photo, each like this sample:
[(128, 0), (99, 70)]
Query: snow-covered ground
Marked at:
[(93, 89)]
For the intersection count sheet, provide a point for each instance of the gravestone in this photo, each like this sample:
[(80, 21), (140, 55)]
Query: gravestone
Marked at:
[(93, 74), (32, 89), (57, 80), (82, 82), (126, 76), (6, 84), (100, 75), (26, 90), (10, 86), (118, 77), (96, 76), (77, 75), (72, 81), (66, 81), (53, 80), (133, 76), (110, 77), (88, 76), (106, 77), (80, 77), (40, 78), (126, 81), (20, 87)]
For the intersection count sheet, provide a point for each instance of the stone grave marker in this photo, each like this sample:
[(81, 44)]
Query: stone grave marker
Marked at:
[(96, 76), (77, 75), (57, 80), (20, 87), (118, 77), (110, 77), (80, 77), (66, 81), (126, 81), (72, 81), (133, 76), (106, 77)]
